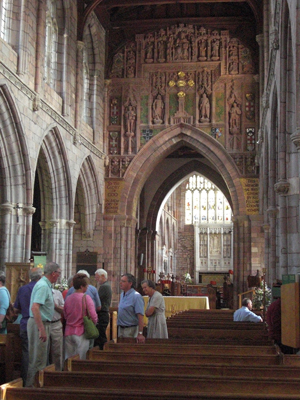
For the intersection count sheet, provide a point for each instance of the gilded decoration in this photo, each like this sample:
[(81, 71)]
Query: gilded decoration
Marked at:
[(182, 74)]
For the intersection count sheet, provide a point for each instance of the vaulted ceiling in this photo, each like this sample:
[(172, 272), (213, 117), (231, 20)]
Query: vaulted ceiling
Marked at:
[(123, 19)]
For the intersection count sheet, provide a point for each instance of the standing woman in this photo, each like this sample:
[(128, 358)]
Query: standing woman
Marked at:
[(4, 303), (157, 325), (74, 310)]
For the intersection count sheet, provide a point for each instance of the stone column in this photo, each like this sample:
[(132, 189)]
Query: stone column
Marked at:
[(6, 211), (28, 212)]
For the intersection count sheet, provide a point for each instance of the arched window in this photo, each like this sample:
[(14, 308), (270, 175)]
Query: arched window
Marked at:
[(86, 87), (205, 203), (51, 43)]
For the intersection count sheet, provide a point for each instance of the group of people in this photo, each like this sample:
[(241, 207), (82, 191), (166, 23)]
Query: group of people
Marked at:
[(51, 322)]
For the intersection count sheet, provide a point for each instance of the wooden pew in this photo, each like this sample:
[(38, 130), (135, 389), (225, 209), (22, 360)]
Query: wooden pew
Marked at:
[(168, 383), (183, 358), (229, 336), (152, 367), (17, 393), (166, 346), (196, 324), (6, 357)]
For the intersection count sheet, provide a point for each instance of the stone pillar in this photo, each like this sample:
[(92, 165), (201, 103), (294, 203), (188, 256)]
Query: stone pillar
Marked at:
[(241, 255), (28, 212), (282, 188)]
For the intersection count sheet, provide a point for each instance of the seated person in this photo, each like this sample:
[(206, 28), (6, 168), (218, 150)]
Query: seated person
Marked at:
[(245, 314)]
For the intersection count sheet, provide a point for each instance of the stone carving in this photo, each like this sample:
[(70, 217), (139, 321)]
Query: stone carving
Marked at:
[(158, 110), (149, 48), (235, 112), (234, 118), (204, 108), (117, 66), (130, 117), (233, 57), (130, 61)]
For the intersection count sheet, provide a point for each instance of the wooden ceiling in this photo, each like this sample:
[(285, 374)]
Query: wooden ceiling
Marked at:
[(123, 19)]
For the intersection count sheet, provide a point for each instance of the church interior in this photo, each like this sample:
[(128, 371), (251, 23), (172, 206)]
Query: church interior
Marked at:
[(158, 138), (153, 137)]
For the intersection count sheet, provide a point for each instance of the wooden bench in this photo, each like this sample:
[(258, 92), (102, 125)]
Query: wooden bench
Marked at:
[(152, 367), (228, 336), (167, 383), (18, 393), (166, 346), (183, 358), (198, 324), (6, 357)]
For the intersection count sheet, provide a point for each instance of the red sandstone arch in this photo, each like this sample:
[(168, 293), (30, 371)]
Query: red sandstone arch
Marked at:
[(163, 144)]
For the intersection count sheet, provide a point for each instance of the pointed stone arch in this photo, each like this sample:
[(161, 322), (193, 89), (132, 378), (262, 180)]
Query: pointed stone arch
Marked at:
[(164, 144), (88, 195), (57, 206), (15, 182)]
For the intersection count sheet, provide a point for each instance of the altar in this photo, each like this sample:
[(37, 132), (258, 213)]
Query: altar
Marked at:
[(175, 304)]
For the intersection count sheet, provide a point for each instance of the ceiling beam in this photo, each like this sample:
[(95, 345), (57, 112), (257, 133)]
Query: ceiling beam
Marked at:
[(205, 21), (133, 3)]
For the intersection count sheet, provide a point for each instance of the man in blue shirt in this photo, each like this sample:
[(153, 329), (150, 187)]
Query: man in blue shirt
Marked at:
[(22, 307), (131, 310), (245, 314), (41, 312)]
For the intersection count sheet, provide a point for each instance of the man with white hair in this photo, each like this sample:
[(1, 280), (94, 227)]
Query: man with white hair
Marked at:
[(105, 295), (91, 291)]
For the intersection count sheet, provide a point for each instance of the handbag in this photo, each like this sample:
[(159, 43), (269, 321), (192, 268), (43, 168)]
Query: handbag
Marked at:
[(90, 330)]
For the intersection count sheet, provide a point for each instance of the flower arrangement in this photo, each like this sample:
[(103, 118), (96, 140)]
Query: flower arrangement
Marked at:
[(62, 285), (187, 278), (258, 297)]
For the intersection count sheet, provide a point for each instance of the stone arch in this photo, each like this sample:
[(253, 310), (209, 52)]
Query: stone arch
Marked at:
[(57, 208), (165, 143), (178, 175), (15, 182), (89, 197)]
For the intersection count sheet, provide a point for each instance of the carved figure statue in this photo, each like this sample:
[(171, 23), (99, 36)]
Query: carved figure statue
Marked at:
[(158, 110), (161, 50), (215, 49), (130, 117), (204, 108), (235, 118)]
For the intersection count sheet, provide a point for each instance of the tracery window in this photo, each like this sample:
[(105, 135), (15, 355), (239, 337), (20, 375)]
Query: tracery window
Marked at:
[(205, 203), (5, 11), (86, 86), (51, 43)]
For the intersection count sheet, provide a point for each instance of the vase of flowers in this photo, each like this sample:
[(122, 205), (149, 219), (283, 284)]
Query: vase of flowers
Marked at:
[(261, 292)]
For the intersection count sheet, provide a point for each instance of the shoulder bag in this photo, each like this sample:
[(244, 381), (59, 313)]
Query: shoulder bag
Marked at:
[(90, 330)]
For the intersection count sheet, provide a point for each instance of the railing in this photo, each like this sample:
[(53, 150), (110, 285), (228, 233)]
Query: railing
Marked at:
[(252, 291)]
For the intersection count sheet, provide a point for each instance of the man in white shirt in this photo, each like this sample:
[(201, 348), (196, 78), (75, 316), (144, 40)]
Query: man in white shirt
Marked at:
[(245, 314)]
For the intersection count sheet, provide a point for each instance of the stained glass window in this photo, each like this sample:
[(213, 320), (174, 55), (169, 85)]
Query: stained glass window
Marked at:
[(205, 203)]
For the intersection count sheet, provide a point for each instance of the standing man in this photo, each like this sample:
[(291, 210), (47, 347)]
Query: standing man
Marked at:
[(21, 306), (245, 314), (131, 310), (105, 295), (38, 327), (56, 331)]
